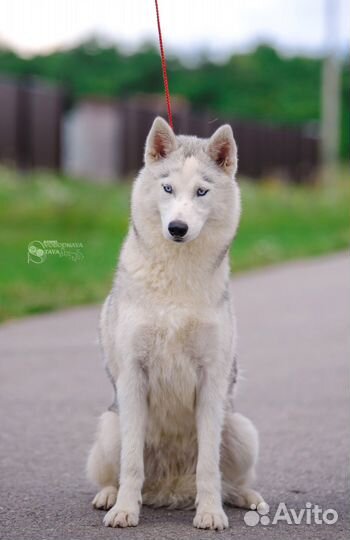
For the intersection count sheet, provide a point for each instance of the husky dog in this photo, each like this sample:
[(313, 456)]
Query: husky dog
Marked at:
[(168, 335)]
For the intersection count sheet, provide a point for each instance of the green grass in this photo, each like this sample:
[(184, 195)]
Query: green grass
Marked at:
[(279, 223)]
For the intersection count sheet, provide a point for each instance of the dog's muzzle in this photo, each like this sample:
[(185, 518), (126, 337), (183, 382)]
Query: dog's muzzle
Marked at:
[(178, 230)]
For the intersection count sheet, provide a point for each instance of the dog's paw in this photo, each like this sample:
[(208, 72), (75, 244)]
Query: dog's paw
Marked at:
[(121, 518), (105, 499), (247, 497), (215, 519)]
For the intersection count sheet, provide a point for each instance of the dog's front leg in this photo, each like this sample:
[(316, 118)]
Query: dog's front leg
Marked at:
[(209, 416), (132, 401)]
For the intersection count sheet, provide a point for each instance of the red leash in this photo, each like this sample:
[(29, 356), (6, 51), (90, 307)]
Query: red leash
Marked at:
[(165, 76)]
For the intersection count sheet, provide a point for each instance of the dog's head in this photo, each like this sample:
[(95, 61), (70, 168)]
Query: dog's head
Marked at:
[(189, 182)]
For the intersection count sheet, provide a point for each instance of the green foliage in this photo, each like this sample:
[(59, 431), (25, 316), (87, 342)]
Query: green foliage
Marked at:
[(261, 85), (279, 222)]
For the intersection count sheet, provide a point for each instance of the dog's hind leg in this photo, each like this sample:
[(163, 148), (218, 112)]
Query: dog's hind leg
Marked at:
[(104, 460), (239, 453)]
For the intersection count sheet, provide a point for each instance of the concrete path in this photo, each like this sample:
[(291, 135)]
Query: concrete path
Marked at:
[(294, 355)]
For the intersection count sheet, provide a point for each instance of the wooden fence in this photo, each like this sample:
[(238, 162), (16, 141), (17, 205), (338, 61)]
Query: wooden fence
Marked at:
[(263, 149), (30, 124), (32, 129)]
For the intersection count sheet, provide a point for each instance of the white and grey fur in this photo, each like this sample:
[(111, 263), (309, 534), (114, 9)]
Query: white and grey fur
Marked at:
[(168, 335)]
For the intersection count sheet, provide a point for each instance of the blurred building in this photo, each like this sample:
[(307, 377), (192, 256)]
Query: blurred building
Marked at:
[(90, 139)]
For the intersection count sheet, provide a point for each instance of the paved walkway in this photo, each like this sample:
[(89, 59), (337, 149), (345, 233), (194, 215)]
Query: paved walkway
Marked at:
[(294, 351)]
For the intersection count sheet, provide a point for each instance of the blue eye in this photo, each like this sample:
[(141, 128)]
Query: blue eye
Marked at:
[(167, 188), (201, 192)]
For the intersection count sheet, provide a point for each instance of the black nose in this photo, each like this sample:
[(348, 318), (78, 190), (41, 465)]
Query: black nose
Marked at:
[(178, 228)]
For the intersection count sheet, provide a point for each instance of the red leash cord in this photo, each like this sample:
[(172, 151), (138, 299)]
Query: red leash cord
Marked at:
[(165, 76)]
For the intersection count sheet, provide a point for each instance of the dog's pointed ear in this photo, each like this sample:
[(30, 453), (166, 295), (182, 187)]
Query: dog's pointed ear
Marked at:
[(223, 150), (161, 141)]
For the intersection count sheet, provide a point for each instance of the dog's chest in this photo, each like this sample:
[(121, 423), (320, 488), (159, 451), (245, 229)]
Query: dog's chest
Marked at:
[(172, 369), (172, 375)]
